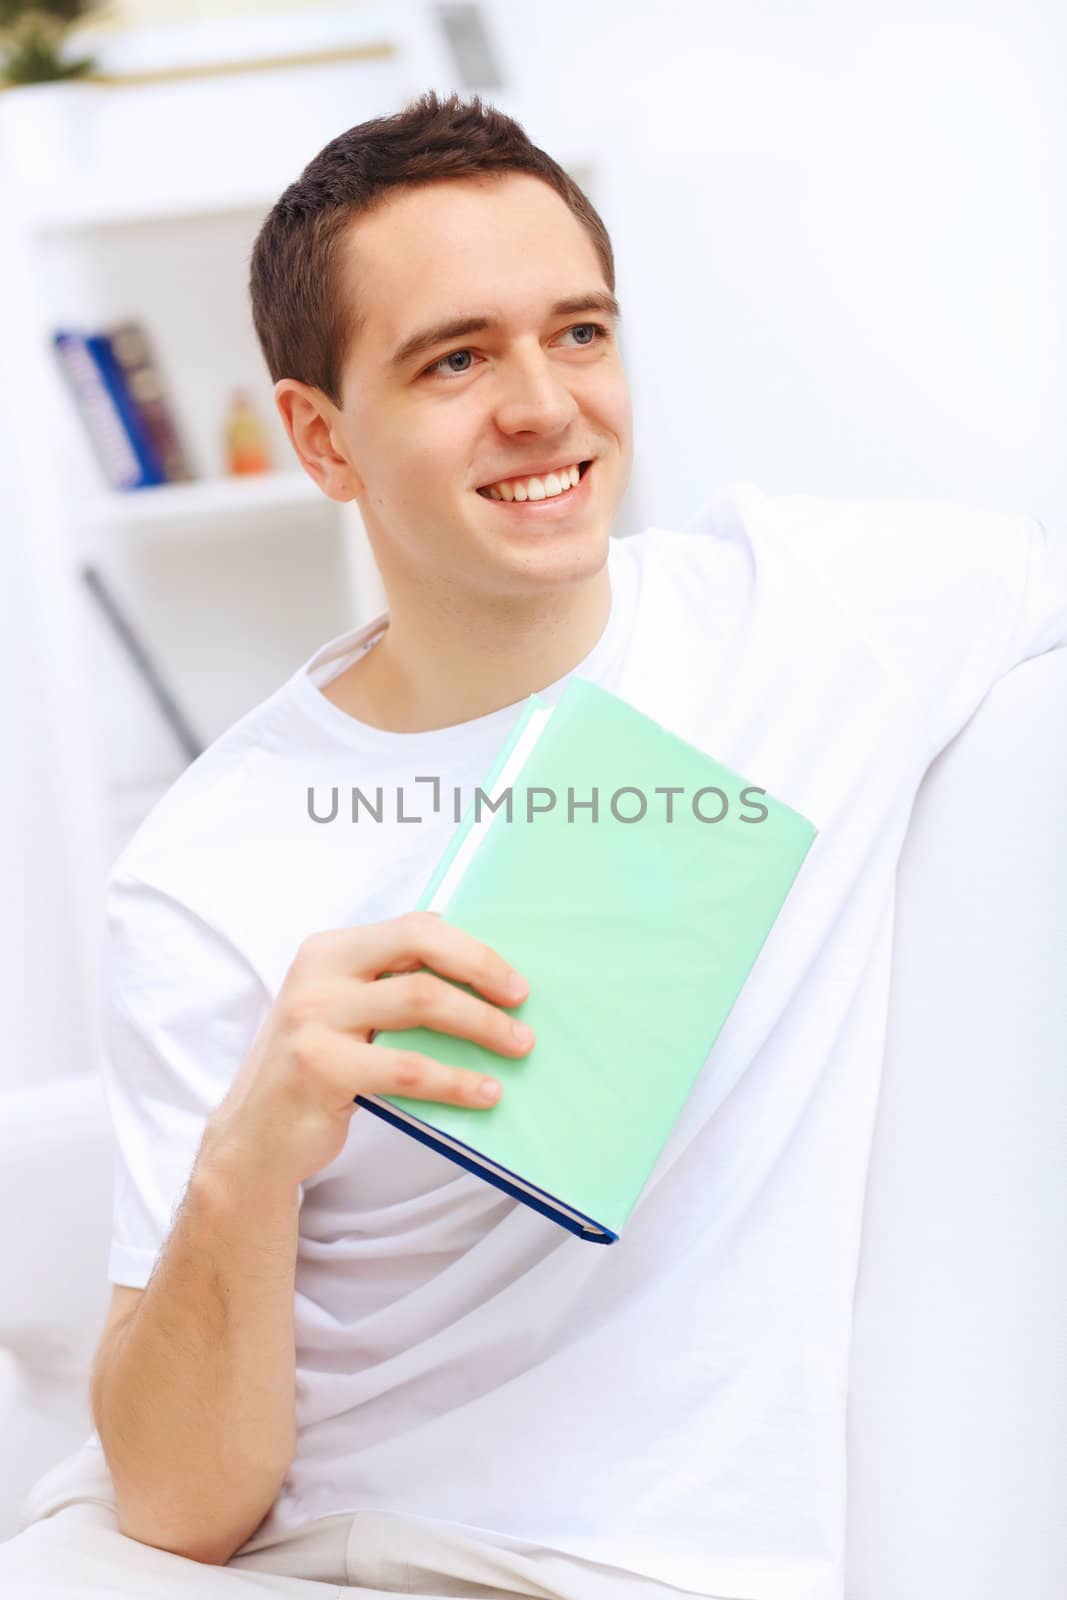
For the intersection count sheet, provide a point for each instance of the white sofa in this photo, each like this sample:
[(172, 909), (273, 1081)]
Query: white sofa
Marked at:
[(957, 1434)]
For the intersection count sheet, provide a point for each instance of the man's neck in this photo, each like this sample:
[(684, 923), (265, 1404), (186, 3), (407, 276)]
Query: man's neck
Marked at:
[(433, 670)]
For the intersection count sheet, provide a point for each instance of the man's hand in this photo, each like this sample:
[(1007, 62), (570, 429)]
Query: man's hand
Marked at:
[(289, 1107)]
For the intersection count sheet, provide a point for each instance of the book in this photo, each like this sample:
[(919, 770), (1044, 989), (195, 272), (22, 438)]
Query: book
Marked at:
[(633, 880), (116, 430), (98, 410), (144, 381), (144, 447)]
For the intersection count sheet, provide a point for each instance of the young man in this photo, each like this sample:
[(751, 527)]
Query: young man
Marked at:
[(333, 1354)]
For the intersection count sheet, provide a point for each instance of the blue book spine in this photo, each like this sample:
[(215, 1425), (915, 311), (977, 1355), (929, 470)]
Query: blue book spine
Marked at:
[(102, 419), (152, 471), (503, 1178)]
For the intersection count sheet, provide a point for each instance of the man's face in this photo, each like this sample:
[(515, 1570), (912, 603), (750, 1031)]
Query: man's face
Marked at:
[(540, 388)]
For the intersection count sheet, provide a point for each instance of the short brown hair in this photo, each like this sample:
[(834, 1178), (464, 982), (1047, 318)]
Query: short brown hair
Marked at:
[(302, 321)]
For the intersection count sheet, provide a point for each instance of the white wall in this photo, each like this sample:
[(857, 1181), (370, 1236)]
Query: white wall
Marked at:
[(835, 230)]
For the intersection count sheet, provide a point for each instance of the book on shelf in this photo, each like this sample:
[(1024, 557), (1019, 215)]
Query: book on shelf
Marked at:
[(117, 390), (635, 931), (93, 392), (144, 381)]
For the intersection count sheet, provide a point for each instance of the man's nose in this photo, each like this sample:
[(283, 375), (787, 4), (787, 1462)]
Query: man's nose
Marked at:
[(534, 396)]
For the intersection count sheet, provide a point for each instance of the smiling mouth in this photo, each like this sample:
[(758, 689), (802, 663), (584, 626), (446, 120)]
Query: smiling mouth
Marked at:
[(583, 467)]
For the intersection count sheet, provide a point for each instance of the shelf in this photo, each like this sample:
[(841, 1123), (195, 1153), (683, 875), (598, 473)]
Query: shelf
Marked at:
[(73, 208), (203, 499), (200, 116)]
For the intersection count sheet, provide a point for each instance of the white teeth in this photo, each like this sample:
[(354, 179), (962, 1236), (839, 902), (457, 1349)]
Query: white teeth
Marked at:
[(546, 488)]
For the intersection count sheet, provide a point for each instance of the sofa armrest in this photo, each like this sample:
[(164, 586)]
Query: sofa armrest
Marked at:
[(56, 1154), (56, 1147)]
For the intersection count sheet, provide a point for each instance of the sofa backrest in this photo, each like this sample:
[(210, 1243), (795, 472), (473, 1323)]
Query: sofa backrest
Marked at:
[(958, 1400)]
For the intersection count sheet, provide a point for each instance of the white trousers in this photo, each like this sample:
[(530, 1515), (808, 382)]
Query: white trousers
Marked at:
[(72, 1549)]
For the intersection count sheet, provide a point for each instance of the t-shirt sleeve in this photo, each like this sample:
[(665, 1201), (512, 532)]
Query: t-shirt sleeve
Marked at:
[(1040, 622), (180, 1008), (950, 597), (1004, 604)]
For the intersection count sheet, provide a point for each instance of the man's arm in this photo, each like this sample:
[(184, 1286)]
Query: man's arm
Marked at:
[(193, 1393)]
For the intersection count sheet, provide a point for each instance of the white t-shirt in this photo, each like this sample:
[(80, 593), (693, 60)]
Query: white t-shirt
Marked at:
[(674, 1404)]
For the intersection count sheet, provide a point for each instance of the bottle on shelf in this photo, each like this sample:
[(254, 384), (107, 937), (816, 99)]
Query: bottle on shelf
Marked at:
[(244, 437)]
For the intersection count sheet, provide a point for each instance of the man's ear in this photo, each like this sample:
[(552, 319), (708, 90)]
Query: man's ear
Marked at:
[(309, 421)]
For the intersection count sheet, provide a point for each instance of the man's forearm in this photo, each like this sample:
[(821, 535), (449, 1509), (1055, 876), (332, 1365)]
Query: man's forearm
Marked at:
[(194, 1395)]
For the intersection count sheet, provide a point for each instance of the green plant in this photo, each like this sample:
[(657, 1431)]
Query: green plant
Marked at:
[(32, 36)]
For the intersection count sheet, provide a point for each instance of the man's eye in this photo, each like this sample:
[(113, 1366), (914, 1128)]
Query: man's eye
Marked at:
[(596, 328), (438, 364)]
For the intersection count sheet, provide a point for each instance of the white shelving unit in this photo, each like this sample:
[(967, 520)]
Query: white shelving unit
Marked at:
[(142, 201), (209, 503), (229, 582)]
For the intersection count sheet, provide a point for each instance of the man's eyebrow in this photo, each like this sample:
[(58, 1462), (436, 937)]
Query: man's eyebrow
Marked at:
[(459, 327)]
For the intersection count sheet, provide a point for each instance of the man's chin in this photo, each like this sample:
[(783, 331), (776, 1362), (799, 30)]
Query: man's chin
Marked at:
[(552, 558)]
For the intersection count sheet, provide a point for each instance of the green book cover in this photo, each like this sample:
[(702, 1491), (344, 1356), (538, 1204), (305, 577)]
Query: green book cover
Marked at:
[(636, 924)]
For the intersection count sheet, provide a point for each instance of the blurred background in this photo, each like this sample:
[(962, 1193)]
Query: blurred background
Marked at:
[(836, 229)]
